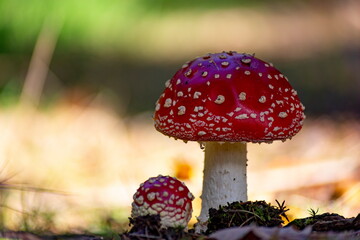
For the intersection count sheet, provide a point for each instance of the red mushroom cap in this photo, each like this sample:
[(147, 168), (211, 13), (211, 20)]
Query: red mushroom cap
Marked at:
[(229, 97), (166, 196)]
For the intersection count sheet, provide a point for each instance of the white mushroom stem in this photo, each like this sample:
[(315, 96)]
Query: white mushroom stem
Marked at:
[(224, 176)]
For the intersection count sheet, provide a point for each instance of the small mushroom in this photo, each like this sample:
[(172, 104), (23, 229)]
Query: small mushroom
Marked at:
[(166, 196), (240, 99)]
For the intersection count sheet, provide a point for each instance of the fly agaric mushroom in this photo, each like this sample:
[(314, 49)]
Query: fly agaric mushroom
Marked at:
[(166, 196), (224, 100)]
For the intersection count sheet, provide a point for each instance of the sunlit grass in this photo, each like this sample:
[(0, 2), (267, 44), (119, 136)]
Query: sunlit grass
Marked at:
[(95, 160)]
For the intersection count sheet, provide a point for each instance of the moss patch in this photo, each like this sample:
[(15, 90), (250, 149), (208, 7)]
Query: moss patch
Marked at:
[(238, 214)]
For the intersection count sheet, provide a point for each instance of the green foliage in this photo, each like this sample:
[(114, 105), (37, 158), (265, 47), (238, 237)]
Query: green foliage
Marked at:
[(87, 24), (313, 212), (9, 93), (82, 22)]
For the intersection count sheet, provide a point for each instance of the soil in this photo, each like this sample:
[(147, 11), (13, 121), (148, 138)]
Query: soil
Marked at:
[(251, 221), (327, 222), (236, 221)]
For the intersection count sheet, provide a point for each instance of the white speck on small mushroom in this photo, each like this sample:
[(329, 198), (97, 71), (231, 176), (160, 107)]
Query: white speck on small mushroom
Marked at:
[(217, 129), (237, 68), (200, 114), (222, 56), (182, 110), (188, 125), (151, 196), (247, 72), (157, 107), (189, 89), (191, 197), (208, 83), (237, 109), (185, 65), (228, 76), (220, 99), (260, 74), (276, 76), (281, 75), (271, 86), (246, 60), (242, 96), (204, 74), (266, 65), (253, 115), (168, 102), (269, 76), (188, 72), (262, 99), (178, 82), (180, 202), (180, 94), (283, 114), (139, 200), (230, 114), (225, 64)]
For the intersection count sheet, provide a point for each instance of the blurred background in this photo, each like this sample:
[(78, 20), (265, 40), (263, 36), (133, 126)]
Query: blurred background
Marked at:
[(78, 83)]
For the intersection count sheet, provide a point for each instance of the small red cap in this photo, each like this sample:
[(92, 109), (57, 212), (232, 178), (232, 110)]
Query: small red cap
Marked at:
[(166, 196), (229, 97)]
